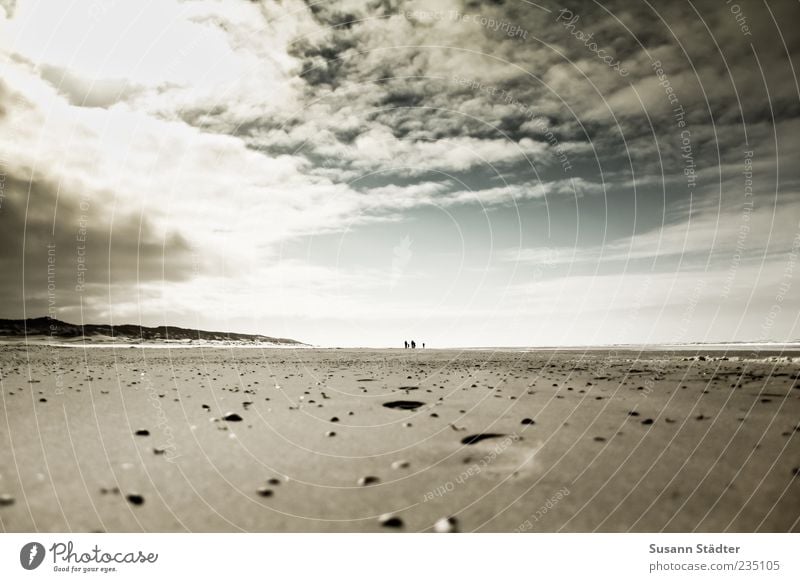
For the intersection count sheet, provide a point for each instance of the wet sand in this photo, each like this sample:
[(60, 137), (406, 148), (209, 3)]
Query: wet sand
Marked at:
[(163, 440)]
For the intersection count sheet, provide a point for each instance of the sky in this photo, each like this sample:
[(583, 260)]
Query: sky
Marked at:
[(360, 173)]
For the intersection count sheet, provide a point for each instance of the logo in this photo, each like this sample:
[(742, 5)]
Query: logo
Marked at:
[(31, 555)]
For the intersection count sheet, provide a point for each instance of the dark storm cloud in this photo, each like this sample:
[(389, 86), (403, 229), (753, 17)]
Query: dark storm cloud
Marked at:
[(40, 219)]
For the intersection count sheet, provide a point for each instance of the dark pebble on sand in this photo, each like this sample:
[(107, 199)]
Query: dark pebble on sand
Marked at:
[(135, 499), (633, 413), (600, 439), (232, 417), (389, 520), (274, 481), (403, 404), (264, 492), (648, 421), (528, 421), (476, 438), (142, 432), (334, 419), (368, 480), (6, 500)]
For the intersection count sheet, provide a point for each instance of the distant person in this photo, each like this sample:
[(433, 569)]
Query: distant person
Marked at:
[(423, 345), (413, 344), (405, 346)]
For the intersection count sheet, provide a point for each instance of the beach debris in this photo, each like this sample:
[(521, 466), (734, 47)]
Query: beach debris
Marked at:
[(264, 492), (648, 421), (368, 480), (6, 500), (476, 438), (274, 481), (142, 432), (232, 417), (404, 404), (401, 464), (528, 421), (446, 525), (330, 433), (135, 499), (390, 520)]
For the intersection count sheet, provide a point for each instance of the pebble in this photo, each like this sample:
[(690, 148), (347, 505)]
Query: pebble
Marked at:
[(330, 433), (274, 481), (389, 520), (446, 525), (232, 417), (368, 480), (264, 492), (142, 432), (402, 464), (135, 499), (476, 438), (6, 500), (404, 404), (528, 421), (647, 421)]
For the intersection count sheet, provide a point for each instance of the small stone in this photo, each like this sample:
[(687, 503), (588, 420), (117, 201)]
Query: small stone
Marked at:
[(647, 421), (600, 439), (142, 432), (135, 499), (330, 433), (42, 399), (633, 413), (335, 419), (528, 421), (6, 500), (264, 492), (232, 417), (368, 480), (402, 464), (446, 525), (157, 451), (389, 520), (274, 481)]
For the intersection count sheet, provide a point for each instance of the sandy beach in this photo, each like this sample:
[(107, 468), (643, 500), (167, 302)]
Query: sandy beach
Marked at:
[(163, 440)]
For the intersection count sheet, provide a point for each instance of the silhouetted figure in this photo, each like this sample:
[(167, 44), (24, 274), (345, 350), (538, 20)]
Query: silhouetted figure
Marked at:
[(413, 344), (423, 345), (405, 346)]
